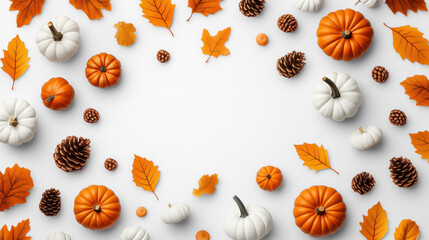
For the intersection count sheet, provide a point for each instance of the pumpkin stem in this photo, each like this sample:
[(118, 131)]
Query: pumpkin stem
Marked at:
[(13, 121), (50, 98), (97, 208), (320, 210), (169, 205), (346, 34), (243, 211), (357, 2), (268, 176), (103, 69), (57, 35), (361, 130), (335, 91)]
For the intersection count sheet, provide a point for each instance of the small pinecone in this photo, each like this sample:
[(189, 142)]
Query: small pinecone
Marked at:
[(397, 117), (251, 8), (50, 204), (71, 154), (287, 23), (380, 74), (291, 64), (163, 56), (363, 183), (91, 115), (403, 172), (110, 164)]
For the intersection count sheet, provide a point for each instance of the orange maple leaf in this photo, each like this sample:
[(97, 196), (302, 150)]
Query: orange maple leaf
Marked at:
[(215, 45), (125, 33), (374, 226), (92, 8), (158, 12), (206, 184), (15, 185), (204, 7), (314, 157), (407, 230), (404, 5), (417, 88), (420, 141), (27, 10), (145, 174), (16, 233), (15, 60)]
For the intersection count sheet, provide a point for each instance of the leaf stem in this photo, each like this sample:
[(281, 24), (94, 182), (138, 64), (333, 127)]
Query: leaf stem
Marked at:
[(387, 25), (190, 16), (208, 58), (172, 34), (334, 170), (157, 198)]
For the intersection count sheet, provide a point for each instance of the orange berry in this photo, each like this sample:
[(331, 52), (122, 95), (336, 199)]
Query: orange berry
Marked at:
[(202, 235), (262, 39), (141, 211)]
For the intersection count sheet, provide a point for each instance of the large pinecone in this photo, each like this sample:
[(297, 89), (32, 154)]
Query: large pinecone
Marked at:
[(363, 183), (50, 204), (251, 8), (71, 154), (291, 64), (287, 23), (403, 172)]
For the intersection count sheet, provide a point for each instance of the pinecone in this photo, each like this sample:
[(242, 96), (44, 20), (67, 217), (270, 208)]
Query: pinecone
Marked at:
[(363, 183), (163, 56), (71, 154), (291, 64), (380, 74), (397, 117), (50, 204), (251, 8), (110, 164), (287, 23), (403, 172), (91, 115)]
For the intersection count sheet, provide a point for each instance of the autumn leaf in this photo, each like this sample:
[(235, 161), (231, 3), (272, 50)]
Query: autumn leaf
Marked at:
[(206, 184), (374, 226), (410, 44), (15, 185), (145, 174), (27, 9), (15, 60), (158, 12), (314, 157), (420, 141), (417, 88), (215, 45), (92, 8), (404, 5), (407, 230), (16, 233), (125, 33), (204, 7)]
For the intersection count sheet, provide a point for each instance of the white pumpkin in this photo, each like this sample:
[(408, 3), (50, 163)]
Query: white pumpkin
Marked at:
[(59, 39), (18, 121), (250, 223), (134, 233), (58, 236), (369, 3), (366, 137), (175, 213), (308, 5), (337, 96)]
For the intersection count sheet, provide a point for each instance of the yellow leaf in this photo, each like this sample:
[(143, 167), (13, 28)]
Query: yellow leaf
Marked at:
[(215, 45), (15, 60), (314, 157), (145, 174), (125, 33), (407, 230), (158, 12), (92, 8), (420, 141), (206, 184), (374, 226), (204, 7), (27, 9)]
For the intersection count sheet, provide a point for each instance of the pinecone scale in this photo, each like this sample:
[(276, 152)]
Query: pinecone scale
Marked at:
[(72, 153), (50, 204)]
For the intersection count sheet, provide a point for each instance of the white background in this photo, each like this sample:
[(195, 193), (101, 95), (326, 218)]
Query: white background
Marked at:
[(230, 116)]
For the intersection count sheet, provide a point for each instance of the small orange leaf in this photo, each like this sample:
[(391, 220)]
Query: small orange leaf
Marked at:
[(158, 12), (420, 141), (407, 230), (92, 8), (16, 233), (375, 225), (215, 45), (15, 185), (125, 33), (206, 184), (27, 10), (417, 88), (204, 7), (145, 174), (15, 60), (314, 157), (404, 5)]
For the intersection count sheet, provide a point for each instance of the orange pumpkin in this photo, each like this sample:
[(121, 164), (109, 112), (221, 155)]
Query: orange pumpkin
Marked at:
[(103, 70), (57, 94), (344, 34), (319, 211), (269, 178), (97, 207)]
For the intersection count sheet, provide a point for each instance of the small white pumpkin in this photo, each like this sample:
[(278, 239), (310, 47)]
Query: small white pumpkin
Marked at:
[(366, 137), (59, 39), (134, 233), (58, 236), (18, 121), (337, 96), (175, 213), (369, 3), (250, 223), (308, 5)]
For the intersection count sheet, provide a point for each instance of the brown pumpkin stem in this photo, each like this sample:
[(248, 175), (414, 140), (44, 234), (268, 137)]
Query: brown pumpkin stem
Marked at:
[(243, 210), (97, 208), (169, 205), (361, 130), (56, 35), (346, 34), (13, 121), (50, 98), (103, 69), (320, 210), (268, 176), (334, 88), (357, 2)]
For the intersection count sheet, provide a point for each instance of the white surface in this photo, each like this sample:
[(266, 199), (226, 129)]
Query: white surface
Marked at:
[(230, 116)]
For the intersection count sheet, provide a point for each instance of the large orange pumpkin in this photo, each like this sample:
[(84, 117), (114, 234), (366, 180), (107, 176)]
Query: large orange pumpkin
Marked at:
[(57, 94), (269, 178), (103, 70), (97, 207), (319, 211), (344, 34)]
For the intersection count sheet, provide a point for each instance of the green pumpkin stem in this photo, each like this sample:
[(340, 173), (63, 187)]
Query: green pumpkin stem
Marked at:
[(97, 208), (334, 88), (243, 211), (55, 34), (13, 121), (320, 210), (346, 34), (50, 98)]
